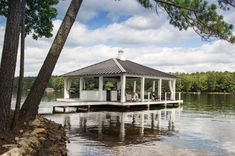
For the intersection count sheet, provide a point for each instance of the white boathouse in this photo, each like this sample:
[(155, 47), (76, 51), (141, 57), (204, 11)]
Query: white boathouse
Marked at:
[(119, 71)]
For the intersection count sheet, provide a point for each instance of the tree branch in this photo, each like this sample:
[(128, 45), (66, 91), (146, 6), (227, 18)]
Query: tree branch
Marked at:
[(176, 5)]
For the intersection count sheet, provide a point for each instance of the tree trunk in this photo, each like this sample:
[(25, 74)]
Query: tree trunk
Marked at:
[(21, 72), (30, 107), (8, 62)]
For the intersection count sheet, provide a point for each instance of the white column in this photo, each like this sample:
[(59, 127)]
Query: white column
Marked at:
[(172, 84), (153, 87), (142, 89), (101, 88), (171, 89), (123, 88), (67, 85), (81, 86), (134, 87), (160, 89)]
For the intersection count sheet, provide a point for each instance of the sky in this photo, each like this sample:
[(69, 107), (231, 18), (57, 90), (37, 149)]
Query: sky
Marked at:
[(105, 26)]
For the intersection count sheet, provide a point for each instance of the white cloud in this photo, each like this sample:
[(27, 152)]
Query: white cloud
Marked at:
[(114, 9), (218, 55), (152, 30), (139, 36)]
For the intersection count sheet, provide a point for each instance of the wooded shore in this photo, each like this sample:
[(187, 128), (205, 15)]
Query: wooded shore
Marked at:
[(213, 82)]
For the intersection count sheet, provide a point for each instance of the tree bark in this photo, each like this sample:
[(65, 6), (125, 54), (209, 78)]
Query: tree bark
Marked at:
[(8, 62), (30, 107), (21, 72)]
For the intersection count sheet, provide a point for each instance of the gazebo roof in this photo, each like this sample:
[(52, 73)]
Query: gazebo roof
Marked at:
[(116, 67)]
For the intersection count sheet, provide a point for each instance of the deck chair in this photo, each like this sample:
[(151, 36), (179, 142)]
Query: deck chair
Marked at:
[(128, 97)]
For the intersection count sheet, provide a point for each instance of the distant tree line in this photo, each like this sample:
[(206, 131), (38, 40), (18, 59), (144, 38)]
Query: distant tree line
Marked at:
[(193, 82), (206, 82)]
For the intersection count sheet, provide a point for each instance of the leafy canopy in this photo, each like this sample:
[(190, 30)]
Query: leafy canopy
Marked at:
[(198, 14), (38, 17)]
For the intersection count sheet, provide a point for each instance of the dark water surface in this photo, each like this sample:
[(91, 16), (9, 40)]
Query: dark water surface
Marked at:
[(203, 125)]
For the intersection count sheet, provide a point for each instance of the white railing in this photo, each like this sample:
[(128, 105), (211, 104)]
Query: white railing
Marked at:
[(172, 97)]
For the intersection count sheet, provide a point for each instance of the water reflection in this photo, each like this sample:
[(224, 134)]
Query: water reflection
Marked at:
[(204, 127), (123, 128)]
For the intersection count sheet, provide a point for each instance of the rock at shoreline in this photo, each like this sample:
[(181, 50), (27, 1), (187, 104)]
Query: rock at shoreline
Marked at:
[(43, 137)]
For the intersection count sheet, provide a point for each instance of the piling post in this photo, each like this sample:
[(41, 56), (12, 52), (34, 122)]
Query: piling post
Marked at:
[(179, 98), (53, 110)]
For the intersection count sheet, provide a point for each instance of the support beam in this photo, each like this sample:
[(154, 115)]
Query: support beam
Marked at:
[(160, 89), (142, 89), (122, 127), (134, 87), (67, 85), (123, 88), (101, 83), (142, 124), (81, 86), (159, 118), (100, 126)]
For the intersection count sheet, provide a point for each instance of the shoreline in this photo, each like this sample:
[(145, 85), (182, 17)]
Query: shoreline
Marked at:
[(211, 93)]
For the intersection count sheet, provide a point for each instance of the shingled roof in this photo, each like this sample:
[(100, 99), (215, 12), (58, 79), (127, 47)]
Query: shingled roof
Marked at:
[(115, 67)]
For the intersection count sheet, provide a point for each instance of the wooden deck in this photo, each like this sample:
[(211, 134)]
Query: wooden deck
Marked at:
[(76, 103)]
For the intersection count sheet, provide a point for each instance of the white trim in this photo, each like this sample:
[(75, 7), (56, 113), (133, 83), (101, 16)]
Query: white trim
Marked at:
[(119, 65), (150, 77), (127, 75), (71, 102)]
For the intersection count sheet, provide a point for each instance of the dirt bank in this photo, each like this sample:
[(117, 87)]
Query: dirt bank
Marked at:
[(40, 137)]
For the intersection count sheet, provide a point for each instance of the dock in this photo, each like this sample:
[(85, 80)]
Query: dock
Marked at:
[(63, 105)]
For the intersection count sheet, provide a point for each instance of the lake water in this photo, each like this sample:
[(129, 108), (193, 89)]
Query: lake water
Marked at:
[(203, 125)]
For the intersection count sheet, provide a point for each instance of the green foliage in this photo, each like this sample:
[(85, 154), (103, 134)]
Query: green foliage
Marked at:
[(194, 82), (206, 82), (92, 84), (198, 14), (109, 85), (38, 18), (56, 82), (75, 84)]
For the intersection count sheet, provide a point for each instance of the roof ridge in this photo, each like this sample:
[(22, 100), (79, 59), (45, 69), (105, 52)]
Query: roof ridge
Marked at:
[(87, 67), (119, 65)]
